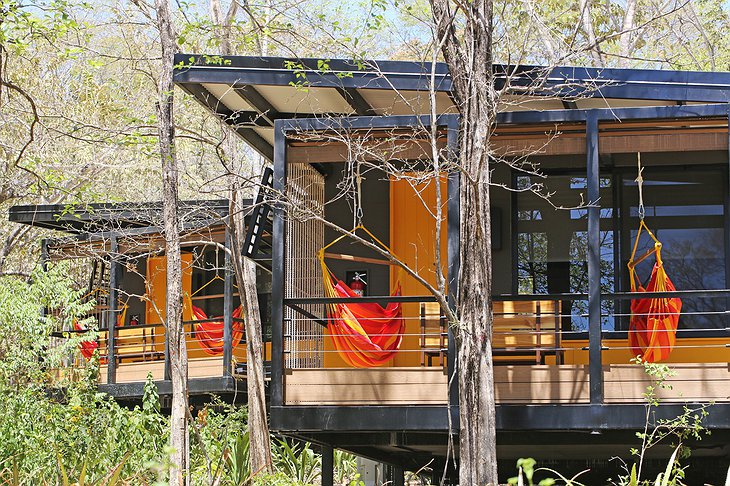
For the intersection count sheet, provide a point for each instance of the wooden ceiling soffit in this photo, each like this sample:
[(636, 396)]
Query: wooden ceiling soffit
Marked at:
[(149, 243), (375, 151), (688, 140)]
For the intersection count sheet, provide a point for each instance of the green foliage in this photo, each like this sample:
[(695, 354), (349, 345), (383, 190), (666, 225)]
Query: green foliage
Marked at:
[(297, 460), (345, 465), (79, 434), (675, 431), (526, 472), (27, 352)]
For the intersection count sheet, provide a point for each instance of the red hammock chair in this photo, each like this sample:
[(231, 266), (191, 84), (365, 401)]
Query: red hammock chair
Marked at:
[(654, 321), (210, 333), (365, 334), (87, 348)]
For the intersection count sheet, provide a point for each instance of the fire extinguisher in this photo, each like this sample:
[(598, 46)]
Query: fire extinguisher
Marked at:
[(358, 284)]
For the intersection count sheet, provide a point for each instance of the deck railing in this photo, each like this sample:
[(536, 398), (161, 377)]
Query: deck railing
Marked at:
[(541, 351), (141, 349)]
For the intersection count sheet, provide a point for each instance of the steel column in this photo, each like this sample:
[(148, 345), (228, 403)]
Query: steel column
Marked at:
[(277, 267), (594, 261), (328, 465), (727, 213), (111, 341), (228, 307), (398, 475)]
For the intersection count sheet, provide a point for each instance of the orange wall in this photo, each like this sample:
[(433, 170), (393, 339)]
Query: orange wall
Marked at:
[(157, 287), (687, 350), (412, 239)]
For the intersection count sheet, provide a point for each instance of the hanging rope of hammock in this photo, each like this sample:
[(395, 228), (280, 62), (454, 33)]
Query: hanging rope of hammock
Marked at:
[(209, 331), (365, 334), (654, 321)]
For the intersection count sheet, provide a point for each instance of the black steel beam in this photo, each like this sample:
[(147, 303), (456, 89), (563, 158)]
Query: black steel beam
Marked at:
[(594, 262), (228, 307), (366, 418), (364, 122), (196, 386), (265, 109), (557, 417), (111, 342), (380, 299), (562, 81), (613, 114), (453, 222), (328, 465), (356, 101), (257, 142), (209, 101), (307, 314), (726, 224)]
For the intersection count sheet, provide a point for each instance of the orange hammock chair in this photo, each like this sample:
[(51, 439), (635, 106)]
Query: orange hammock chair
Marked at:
[(209, 333), (365, 334), (653, 327)]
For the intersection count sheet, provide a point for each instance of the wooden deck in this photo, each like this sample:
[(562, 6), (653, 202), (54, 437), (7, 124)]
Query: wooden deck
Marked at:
[(515, 384)]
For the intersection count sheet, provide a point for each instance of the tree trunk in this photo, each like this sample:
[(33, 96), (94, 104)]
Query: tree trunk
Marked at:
[(175, 332), (468, 53), (587, 21), (245, 269), (258, 427)]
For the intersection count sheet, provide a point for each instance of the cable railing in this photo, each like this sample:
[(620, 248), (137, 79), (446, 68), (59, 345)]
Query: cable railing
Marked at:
[(138, 346), (527, 330)]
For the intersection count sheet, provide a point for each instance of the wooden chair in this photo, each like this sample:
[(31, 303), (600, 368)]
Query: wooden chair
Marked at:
[(523, 328), (433, 334)]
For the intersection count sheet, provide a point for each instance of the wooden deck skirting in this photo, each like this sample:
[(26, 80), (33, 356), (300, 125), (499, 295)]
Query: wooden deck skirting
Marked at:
[(694, 382), (137, 372), (518, 384)]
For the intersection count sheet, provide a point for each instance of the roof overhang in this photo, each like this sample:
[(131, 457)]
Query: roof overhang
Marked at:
[(115, 217), (251, 93)]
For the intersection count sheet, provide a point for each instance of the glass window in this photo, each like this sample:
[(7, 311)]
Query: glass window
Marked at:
[(685, 208), (552, 242)]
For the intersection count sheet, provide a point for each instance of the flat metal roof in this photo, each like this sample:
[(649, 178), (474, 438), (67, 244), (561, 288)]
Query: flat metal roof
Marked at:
[(94, 218), (250, 93)]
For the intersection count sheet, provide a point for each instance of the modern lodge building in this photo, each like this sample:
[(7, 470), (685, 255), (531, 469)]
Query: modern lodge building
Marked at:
[(564, 329)]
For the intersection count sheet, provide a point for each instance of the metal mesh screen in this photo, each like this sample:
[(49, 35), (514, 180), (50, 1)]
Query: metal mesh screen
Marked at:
[(305, 236)]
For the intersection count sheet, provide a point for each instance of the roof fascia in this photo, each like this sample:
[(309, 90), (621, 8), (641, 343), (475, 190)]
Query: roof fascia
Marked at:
[(562, 81)]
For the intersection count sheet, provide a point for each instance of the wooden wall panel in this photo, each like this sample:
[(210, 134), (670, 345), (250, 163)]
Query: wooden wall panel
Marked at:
[(412, 238)]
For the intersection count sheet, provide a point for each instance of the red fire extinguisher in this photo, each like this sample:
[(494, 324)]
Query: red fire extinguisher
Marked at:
[(358, 284)]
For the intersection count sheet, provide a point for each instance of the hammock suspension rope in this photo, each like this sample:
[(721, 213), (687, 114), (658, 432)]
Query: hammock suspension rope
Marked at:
[(654, 321)]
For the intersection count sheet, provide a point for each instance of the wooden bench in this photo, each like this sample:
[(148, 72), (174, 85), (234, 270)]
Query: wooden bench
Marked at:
[(523, 328), (433, 334), (135, 344)]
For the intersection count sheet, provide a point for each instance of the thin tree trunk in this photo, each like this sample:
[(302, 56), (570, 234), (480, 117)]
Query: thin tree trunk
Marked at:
[(258, 427), (245, 269), (468, 53), (175, 331), (587, 21), (626, 33)]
